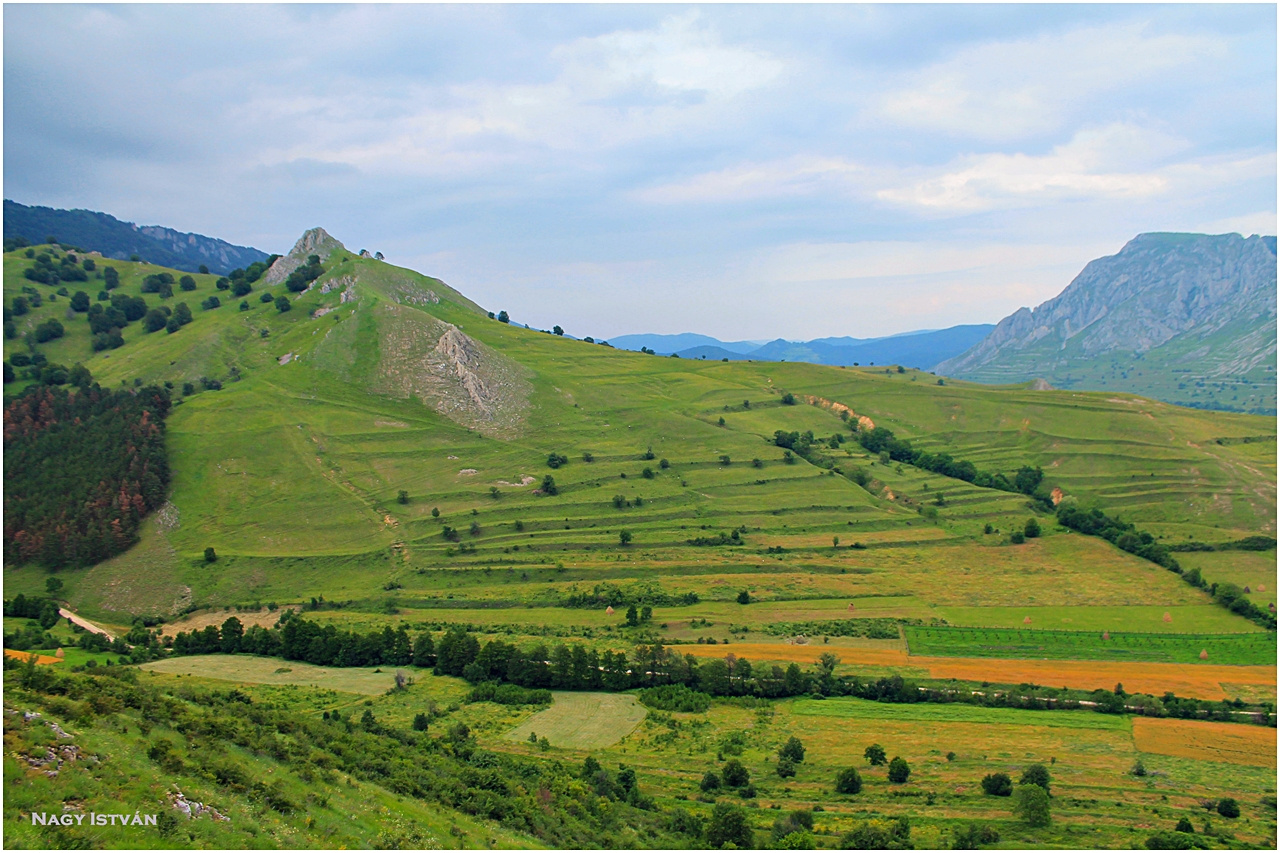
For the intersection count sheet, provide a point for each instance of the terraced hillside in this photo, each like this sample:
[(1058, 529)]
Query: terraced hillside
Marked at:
[(384, 453)]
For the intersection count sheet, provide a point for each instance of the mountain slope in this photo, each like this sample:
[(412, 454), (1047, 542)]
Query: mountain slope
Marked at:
[(921, 350), (1186, 318), (101, 232)]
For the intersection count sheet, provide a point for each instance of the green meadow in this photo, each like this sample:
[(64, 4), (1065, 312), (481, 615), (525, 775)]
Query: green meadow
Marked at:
[(340, 467)]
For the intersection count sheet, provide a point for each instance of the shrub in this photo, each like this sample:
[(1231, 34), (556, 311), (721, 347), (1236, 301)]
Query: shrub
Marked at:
[(785, 768), (899, 770), (875, 755), (1228, 807), (1031, 803), (997, 785), (848, 781), (710, 781), (735, 774), (793, 749), (1036, 774), (1017, 537)]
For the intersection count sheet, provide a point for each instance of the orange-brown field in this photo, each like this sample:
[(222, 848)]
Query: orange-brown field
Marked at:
[(1200, 681), (23, 656), (1205, 741)]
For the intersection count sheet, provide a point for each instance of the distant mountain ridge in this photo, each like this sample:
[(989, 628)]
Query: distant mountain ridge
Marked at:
[(1184, 318), (101, 232), (921, 349)]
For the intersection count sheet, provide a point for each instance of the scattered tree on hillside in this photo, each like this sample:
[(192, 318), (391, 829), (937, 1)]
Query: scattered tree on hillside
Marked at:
[(848, 781)]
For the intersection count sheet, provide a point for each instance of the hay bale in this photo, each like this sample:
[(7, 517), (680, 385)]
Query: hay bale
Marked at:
[(609, 610), (1026, 621), (851, 604), (1106, 635), (1204, 654), (1168, 617), (60, 654)]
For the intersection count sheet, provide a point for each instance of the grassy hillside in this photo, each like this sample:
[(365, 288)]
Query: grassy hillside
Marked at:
[(383, 446)]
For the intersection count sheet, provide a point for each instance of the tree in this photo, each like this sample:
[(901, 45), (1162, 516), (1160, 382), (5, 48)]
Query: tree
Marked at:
[(874, 754), (899, 770), (1032, 529), (435, 512), (548, 486), (265, 297), (792, 749), (1017, 537), (424, 651), (735, 774), (213, 302), (624, 537), (728, 825), (282, 304), (633, 616), (788, 399), (1228, 807), (110, 278), (503, 317), (80, 302), (52, 585), (710, 781), (1184, 825), (1031, 803), (240, 288), (556, 330), (744, 597), (997, 785), (848, 781), (1036, 774), (785, 768), (402, 497), (155, 320), (210, 556)]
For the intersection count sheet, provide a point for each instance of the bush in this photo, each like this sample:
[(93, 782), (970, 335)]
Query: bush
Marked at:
[(793, 749), (1228, 807), (899, 770), (266, 297), (728, 825), (210, 556), (875, 755), (710, 781), (1036, 774), (211, 303), (1031, 803), (282, 303), (675, 697), (735, 774), (848, 781), (1017, 537), (785, 768), (1032, 529), (997, 785)]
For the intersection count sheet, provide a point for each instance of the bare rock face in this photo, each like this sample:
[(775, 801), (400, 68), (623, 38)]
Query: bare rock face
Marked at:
[(1195, 304), (464, 355), (314, 241)]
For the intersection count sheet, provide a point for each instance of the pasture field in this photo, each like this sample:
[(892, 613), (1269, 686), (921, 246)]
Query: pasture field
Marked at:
[(1257, 649), (583, 720), (1205, 741), (1198, 680), (274, 671)]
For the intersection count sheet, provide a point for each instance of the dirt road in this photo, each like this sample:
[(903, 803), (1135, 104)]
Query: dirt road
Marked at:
[(84, 623)]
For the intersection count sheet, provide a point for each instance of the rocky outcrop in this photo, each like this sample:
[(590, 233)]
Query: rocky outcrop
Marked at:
[(314, 241), (1174, 291)]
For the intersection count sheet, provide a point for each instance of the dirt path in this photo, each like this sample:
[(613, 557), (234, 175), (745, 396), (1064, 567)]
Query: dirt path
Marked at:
[(85, 623)]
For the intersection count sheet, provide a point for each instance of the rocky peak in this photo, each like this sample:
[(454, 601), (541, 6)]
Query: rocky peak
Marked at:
[(314, 241)]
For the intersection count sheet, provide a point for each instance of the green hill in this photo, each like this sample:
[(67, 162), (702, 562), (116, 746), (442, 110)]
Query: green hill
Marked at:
[(385, 453)]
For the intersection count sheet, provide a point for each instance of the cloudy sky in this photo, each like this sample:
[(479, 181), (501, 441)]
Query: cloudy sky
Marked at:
[(748, 172)]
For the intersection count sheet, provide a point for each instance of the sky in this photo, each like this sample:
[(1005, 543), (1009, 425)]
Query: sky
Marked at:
[(742, 171)]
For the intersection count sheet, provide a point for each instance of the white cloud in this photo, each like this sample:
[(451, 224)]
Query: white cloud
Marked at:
[(1259, 222), (794, 176), (610, 90), (1119, 161), (1009, 90)]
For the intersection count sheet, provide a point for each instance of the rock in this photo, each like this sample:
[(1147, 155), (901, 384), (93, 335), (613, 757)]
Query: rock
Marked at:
[(314, 241)]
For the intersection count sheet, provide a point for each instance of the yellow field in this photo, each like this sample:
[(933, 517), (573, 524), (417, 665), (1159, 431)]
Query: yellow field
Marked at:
[(1199, 681), (23, 656), (1204, 741)]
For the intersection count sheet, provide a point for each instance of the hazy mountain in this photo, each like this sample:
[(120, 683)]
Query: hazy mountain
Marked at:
[(921, 350), (666, 344), (101, 232), (1185, 318)]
